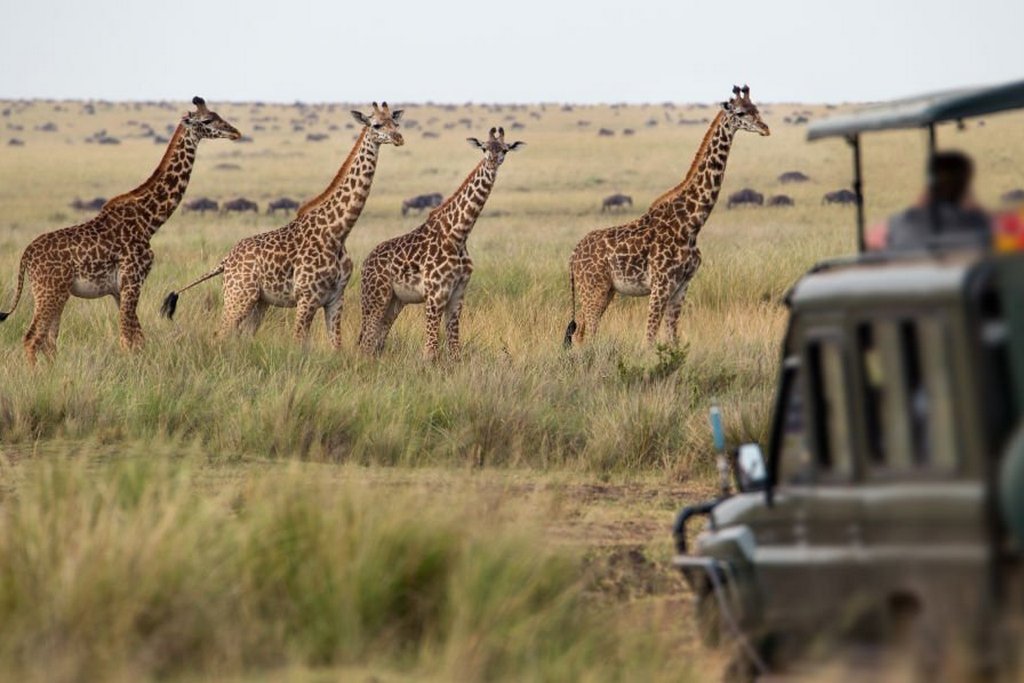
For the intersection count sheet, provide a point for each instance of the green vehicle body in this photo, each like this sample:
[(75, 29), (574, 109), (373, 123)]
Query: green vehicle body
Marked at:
[(894, 486)]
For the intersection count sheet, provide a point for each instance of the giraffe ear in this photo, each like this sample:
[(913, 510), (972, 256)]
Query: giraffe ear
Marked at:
[(397, 114), (360, 117), (727, 105), (475, 143), (516, 145)]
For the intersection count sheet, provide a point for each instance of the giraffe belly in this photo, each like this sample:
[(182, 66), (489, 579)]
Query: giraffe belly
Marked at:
[(631, 286), (93, 288), (409, 293)]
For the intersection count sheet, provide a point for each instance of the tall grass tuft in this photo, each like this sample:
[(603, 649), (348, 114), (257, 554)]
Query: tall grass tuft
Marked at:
[(124, 569)]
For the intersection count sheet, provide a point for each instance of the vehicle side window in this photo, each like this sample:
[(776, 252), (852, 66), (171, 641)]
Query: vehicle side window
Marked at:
[(830, 410), (907, 394), (795, 463)]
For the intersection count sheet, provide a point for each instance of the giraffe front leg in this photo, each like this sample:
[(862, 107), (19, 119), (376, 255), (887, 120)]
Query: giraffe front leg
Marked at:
[(132, 274), (305, 310), (672, 311), (332, 311), (131, 336), (453, 312), (655, 312), (434, 311)]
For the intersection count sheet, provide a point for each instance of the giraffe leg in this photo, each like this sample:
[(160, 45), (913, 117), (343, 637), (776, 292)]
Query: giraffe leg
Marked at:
[(332, 311), (305, 310), (375, 300), (133, 274), (332, 320), (240, 302), (453, 311), (594, 295), (394, 307), (672, 311), (434, 309), (41, 334), (254, 318), (655, 311)]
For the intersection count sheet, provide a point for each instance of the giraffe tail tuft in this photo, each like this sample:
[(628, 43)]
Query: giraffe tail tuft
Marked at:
[(171, 302), (170, 306), (569, 331), (4, 316)]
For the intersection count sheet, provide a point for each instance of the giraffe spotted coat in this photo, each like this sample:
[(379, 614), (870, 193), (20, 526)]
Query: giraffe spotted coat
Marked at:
[(304, 265), (430, 265), (109, 255), (656, 255)]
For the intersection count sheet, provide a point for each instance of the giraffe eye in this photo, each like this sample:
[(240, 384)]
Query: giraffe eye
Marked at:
[(378, 125)]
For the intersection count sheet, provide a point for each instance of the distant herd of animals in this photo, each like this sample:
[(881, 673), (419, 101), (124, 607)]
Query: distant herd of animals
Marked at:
[(305, 264)]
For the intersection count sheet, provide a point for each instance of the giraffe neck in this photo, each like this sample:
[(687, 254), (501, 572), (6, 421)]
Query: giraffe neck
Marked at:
[(688, 205), (336, 210), (456, 217), (156, 199)]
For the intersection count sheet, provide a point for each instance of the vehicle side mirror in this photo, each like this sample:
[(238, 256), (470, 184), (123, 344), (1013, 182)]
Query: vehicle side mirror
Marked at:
[(749, 468)]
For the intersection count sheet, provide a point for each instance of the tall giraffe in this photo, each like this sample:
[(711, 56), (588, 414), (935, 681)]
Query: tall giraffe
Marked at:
[(657, 253), (304, 265), (109, 255), (430, 265)]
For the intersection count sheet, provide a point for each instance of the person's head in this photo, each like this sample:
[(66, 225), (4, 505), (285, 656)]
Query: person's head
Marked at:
[(949, 176)]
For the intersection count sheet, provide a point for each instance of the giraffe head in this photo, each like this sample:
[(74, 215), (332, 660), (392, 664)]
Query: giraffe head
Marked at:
[(742, 114), (495, 147), (382, 124), (208, 124)]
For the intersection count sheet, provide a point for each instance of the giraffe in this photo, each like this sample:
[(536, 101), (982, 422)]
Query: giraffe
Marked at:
[(110, 255), (656, 255), (430, 265), (304, 265)]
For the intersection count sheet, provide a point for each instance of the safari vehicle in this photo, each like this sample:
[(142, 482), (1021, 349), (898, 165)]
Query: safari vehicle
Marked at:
[(891, 496)]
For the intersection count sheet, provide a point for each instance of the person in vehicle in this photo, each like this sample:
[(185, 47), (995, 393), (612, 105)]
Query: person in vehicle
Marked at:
[(946, 216)]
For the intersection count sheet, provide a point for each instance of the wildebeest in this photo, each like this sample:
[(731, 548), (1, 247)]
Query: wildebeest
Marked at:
[(606, 132), (616, 200), (422, 201), (202, 205), (1013, 196), (843, 196), (793, 177), (94, 204), (240, 205), (745, 196), (283, 204), (780, 200)]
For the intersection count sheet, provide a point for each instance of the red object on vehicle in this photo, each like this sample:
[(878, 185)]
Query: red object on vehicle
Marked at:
[(1009, 228)]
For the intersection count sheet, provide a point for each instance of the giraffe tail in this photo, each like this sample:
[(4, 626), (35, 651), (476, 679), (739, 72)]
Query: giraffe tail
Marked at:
[(571, 329), (170, 304), (17, 294)]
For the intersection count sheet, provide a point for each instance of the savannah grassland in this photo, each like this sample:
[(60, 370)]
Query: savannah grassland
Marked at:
[(246, 509)]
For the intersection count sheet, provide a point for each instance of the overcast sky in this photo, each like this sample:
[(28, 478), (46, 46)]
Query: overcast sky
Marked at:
[(526, 51)]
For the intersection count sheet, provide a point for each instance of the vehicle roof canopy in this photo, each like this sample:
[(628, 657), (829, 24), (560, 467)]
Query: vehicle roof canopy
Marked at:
[(871, 282), (923, 110)]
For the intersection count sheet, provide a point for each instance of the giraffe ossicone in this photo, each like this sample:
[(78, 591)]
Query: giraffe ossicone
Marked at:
[(430, 265), (109, 255), (656, 255)]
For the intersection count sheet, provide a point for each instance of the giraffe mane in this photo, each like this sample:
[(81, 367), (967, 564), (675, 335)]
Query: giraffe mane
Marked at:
[(457, 192), (342, 172), (160, 169), (701, 151)]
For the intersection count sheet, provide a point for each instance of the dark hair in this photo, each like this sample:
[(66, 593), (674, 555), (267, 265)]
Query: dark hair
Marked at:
[(949, 176)]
